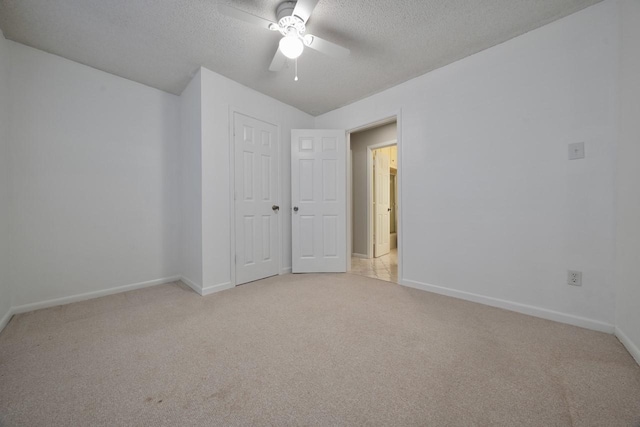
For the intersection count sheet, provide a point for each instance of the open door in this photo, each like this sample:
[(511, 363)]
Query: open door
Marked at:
[(318, 199), (381, 203)]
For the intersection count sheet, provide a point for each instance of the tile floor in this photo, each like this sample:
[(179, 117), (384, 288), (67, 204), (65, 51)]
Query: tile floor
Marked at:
[(383, 268)]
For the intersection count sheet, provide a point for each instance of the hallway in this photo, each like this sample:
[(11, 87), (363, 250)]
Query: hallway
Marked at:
[(383, 268)]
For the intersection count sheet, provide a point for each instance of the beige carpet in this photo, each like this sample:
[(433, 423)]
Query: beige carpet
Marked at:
[(308, 350)]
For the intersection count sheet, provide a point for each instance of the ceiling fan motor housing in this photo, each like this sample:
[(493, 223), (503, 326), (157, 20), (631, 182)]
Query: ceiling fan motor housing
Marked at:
[(287, 22), (285, 9)]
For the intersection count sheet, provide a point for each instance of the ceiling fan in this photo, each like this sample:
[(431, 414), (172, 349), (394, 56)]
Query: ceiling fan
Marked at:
[(292, 17)]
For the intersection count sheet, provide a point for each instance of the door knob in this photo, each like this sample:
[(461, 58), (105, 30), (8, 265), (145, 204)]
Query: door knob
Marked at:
[(275, 208), (388, 209), (295, 209)]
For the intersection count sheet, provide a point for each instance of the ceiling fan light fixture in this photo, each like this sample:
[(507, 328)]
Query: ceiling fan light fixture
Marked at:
[(291, 46)]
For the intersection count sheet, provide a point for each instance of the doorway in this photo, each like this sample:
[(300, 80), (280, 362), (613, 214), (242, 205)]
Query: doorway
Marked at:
[(374, 202)]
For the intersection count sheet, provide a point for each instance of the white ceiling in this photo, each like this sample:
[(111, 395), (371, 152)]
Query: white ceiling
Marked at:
[(162, 43)]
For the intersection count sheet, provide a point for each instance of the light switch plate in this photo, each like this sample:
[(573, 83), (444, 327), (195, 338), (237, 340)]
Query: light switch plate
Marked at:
[(576, 151)]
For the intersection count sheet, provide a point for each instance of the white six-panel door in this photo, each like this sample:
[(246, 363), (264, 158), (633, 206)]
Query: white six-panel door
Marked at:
[(318, 200), (256, 194), (381, 203)]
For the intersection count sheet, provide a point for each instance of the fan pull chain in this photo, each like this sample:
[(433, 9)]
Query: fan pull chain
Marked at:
[(296, 78)]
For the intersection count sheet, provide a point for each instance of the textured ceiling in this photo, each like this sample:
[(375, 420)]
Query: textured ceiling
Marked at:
[(162, 43)]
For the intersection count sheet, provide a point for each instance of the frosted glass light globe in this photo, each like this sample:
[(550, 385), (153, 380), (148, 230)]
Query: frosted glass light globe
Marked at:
[(291, 46)]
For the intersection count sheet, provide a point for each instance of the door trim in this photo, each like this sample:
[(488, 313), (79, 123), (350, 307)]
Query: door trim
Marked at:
[(232, 189), (395, 115)]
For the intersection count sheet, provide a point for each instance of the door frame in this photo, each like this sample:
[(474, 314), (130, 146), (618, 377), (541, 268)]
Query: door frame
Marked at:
[(370, 210), (232, 189), (396, 116)]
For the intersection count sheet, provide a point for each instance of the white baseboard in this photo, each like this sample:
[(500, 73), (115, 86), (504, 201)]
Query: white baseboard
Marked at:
[(206, 290), (197, 288), (216, 288), (355, 255), (104, 292), (628, 344), (286, 270), (89, 295), (6, 318), (543, 313)]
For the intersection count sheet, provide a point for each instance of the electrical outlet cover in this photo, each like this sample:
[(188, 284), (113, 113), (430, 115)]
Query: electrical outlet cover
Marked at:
[(574, 278)]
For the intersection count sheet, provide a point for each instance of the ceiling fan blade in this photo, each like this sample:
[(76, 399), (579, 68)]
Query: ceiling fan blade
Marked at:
[(326, 47), (240, 15), (278, 61), (304, 8)]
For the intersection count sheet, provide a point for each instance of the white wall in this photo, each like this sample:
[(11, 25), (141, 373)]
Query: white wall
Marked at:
[(219, 94), (94, 180), (492, 209), (359, 143), (627, 265), (5, 286), (191, 182)]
